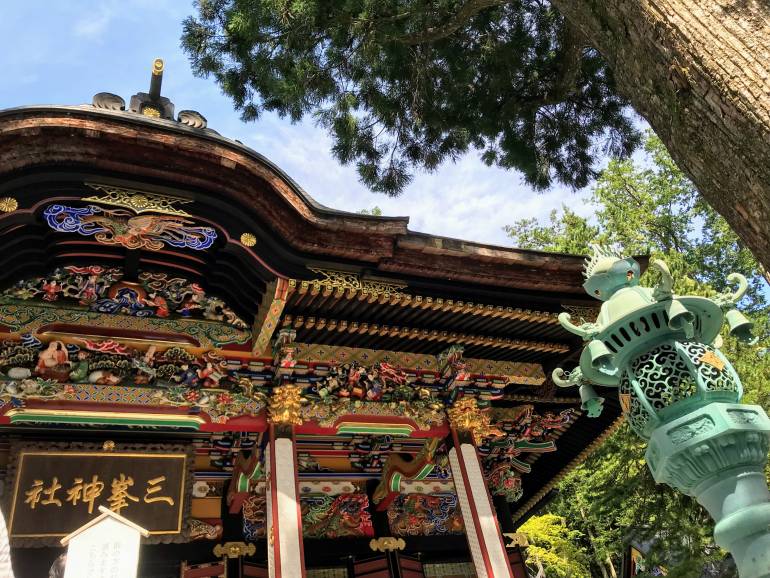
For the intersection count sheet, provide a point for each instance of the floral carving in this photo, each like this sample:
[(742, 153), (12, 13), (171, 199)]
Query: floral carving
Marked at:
[(344, 515), (425, 515), (505, 481), (686, 432)]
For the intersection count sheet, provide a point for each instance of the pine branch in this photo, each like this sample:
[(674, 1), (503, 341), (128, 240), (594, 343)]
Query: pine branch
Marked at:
[(468, 11)]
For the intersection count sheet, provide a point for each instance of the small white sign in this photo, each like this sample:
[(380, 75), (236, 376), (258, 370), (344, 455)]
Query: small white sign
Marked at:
[(106, 547)]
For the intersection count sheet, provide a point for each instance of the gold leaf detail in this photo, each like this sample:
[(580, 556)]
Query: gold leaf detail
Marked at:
[(8, 204), (138, 201), (285, 404), (465, 415), (345, 280), (248, 239), (711, 358)]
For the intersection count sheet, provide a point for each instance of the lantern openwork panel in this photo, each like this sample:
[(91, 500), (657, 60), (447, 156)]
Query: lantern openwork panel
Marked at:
[(670, 379)]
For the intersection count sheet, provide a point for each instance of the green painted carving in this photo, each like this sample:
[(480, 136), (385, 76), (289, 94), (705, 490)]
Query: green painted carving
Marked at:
[(24, 316), (681, 393)]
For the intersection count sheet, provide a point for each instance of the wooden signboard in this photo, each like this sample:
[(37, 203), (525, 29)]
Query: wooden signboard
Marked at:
[(59, 487)]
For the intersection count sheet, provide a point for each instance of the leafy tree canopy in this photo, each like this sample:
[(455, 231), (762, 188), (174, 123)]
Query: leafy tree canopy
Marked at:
[(652, 208), (411, 83), (375, 211), (556, 547), (611, 499)]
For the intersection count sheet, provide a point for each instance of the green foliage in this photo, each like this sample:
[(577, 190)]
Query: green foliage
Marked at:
[(611, 499), (652, 209), (556, 547), (401, 84), (567, 232), (374, 211)]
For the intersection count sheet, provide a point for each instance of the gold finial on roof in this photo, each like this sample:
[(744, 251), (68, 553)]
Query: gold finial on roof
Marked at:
[(157, 66)]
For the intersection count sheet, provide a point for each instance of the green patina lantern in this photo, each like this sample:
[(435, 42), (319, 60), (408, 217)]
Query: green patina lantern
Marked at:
[(678, 391)]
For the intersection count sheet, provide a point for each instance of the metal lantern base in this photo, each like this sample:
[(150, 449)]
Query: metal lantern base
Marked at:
[(717, 453)]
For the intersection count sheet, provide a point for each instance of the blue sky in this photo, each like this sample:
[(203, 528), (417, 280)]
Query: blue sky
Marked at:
[(65, 51)]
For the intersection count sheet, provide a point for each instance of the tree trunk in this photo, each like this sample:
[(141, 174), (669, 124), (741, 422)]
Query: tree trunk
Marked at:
[(699, 72), (596, 550)]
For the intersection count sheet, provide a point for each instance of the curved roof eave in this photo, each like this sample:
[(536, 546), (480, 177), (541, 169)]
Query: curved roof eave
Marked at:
[(399, 250)]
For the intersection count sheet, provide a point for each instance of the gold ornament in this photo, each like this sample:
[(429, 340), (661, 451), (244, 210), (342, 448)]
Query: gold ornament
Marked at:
[(465, 415), (108, 446), (285, 404), (387, 543), (248, 239), (350, 281), (516, 539), (234, 550), (8, 204), (150, 111), (138, 201), (710, 358)]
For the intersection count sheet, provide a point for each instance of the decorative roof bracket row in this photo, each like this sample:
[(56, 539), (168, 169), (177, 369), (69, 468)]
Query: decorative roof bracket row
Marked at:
[(321, 323), (349, 286)]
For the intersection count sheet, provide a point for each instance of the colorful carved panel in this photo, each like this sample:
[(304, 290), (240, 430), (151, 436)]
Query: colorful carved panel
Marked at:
[(525, 432), (483, 371), (362, 455), (124, 227), (435, 514), (396, 469), (341, 516), (108, 373), (424, 414), (103, 290), (324, 515), (254, 518), (109, 362), (31, 317)]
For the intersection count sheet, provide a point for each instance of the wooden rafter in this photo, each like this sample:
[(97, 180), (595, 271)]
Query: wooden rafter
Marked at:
[(355, 327), (269, 313), (309, 291)]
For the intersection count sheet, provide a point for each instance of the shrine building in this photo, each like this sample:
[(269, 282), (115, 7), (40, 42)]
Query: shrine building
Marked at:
[(268, 386)]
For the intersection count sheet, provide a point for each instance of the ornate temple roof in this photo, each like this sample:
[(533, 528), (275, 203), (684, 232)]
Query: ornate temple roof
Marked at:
[(144, 141), (99, 201)]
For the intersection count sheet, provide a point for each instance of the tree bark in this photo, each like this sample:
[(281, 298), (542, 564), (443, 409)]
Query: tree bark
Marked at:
[(699, 72), (596, 550)]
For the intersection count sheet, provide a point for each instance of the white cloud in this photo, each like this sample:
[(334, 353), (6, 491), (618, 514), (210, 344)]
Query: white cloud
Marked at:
[(93, 25), (465, 200)]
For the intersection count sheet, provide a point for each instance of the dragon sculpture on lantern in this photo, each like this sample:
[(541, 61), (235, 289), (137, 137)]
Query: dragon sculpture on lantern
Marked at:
[(679, 392)]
